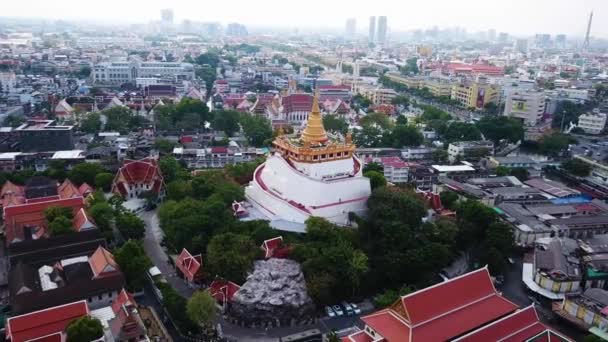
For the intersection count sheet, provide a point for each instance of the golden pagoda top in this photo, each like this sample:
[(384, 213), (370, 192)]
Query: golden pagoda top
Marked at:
[(314, 132)]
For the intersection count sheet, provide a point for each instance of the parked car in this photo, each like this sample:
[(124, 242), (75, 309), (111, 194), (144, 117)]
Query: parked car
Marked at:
[(338, 310), (330, 313), (348, 309), (356, 309)]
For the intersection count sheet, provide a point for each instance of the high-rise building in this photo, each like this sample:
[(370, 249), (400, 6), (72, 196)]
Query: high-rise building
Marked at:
[(560, 40), (521, 45), (372, 29), (503, 37), (491, 35), (382, 30), (351, 28), (166, 16)]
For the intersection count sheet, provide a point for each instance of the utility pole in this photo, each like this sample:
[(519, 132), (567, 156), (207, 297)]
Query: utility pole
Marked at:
[(586, 42)]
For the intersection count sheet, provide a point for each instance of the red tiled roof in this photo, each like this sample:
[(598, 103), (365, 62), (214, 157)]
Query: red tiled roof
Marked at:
[(16, 217), (45, 322), (143, 171), (518, 326), (360, 336), (219, 149), (389, 325), (124, 298), (85, 189), (11, 188), (68, 190), (222, 289), (270, 245), (475, 68), (82, 221), (442, 311), (395, 162), (297, 103), (189, 265), (102, 263)]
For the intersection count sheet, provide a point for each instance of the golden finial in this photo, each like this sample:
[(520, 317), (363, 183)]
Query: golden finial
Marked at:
[(314, 131), (349, 137), (281, 131)]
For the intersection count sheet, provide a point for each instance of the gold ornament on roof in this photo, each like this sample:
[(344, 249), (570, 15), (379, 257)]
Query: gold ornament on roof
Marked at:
[(314, 132)]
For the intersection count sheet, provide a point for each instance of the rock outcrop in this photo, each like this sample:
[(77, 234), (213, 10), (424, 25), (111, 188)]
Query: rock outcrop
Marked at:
[(274, 294)]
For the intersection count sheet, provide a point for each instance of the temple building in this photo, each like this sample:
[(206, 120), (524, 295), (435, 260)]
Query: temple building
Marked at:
[(311, 174)]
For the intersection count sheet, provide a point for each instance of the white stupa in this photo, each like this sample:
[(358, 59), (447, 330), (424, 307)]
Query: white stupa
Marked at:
[(310, 175)]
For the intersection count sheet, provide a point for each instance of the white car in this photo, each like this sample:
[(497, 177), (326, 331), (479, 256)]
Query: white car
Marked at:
[(330, 312), (355, 308), (338, 310)]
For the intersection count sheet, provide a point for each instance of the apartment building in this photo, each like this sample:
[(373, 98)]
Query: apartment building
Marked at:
[(475, 94), (469, 150), (592, 123), (119, 72), (528, 106)]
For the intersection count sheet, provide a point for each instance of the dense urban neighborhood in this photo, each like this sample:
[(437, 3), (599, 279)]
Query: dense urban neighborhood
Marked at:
[(196, 181)]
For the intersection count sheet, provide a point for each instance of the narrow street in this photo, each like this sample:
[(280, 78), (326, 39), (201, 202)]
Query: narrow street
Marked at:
[(152, 240)]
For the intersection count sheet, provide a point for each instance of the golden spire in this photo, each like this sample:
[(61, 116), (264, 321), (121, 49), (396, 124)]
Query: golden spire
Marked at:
[(314, 131)]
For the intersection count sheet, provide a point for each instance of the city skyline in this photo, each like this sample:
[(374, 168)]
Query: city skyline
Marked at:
[(515, 17)]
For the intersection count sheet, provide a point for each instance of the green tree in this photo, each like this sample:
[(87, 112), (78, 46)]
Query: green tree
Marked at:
[(380, 120), (104, 181), (201, 308), (373, 166), (335, 123), (85, 173), (91, 123), (257, 129), (231, 256), (60, 226), (401, 100), (242, 173), (118, 119), (178, 190), (134, 263), (448, 199), (376, 179), (102, 214), (554, 143), (566, 112), (84, 329), (53, 212), (130, 226), (461, 131), (164, 146), (497, 128), (170, 168), (226, 121), (577, 167), (403, 136), (502, 171), (401, 120), (520, 173), (390, 296)]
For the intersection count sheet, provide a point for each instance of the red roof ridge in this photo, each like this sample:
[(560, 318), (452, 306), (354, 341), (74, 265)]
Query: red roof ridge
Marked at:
[(485, 268), (445, 313)]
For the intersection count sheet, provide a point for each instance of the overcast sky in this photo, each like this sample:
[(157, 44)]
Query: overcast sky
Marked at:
[(513, 16)]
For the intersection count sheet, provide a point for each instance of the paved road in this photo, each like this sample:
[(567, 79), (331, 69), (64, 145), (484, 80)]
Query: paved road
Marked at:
[(152, 240)]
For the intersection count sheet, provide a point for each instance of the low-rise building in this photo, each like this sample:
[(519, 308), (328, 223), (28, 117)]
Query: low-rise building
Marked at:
[(587, 311), (216, 157), (475, 94), (395, 169), (593, 123), (469, 150), (137, 177)]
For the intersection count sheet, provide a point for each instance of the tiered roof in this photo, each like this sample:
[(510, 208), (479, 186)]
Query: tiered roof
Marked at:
[(49, 322), (189, 265), (143, 171), (443, 311), (103, 264)]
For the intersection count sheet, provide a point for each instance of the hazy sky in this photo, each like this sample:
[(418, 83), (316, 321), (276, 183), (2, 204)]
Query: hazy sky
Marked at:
[(514, 16)]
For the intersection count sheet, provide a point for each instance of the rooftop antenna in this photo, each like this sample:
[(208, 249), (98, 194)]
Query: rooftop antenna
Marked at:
[(586, 42)]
